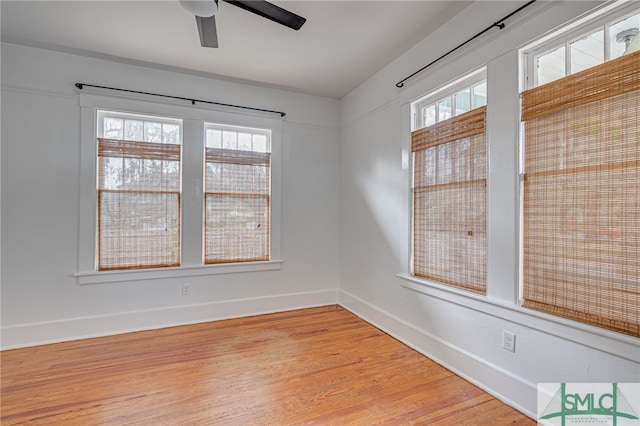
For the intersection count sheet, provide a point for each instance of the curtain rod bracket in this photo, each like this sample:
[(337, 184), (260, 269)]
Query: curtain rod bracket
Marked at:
[(193, 101)]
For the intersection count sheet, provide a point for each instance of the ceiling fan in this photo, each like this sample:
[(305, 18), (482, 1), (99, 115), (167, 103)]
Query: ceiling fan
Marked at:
[(205, 11)]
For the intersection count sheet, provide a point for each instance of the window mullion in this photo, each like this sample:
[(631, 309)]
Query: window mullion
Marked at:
[(567, 58), (607, 43), (192, 184)]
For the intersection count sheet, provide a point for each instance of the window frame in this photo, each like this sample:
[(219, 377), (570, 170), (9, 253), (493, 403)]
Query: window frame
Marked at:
[(468, 80), (563, 37), (192, 262), (595, 20), (577, 237), (100, 134), (504, 71), (254, 131)]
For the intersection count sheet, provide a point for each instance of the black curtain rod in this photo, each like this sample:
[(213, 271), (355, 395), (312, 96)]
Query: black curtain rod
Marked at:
[(500, 24), (193, 101)]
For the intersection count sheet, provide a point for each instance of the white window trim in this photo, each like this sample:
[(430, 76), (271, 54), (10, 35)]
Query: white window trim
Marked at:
[(503, 126), (192, 188), (239, 129), (497, 301), (467, 80), (182, 271), (571, 32), (591, 336)]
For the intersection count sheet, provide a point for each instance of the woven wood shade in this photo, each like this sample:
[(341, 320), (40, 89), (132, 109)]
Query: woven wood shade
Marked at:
[(138, 150), (138, 204), (449, 201), (581, 214), (463, 126), (234, 156), (237, 206)]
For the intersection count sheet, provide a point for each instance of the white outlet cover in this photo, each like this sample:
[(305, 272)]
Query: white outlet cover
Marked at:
[(509, 341)]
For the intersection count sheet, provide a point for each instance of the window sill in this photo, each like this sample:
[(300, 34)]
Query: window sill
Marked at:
[(607, 341), (98, 277)]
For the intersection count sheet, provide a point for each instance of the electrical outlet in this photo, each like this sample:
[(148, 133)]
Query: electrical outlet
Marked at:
[(509, 340), (186, 289)]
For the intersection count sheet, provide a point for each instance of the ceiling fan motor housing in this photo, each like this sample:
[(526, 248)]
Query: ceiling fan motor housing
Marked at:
[(202, 8)]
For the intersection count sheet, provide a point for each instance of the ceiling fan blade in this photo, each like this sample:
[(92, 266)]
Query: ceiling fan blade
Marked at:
[(271, 11), (207, 31)]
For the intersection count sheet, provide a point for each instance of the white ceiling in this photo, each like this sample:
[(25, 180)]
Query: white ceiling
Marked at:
[(341, 44)]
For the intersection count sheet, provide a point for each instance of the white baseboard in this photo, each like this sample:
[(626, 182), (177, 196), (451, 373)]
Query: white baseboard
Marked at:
[(41, 333), (512, 390)]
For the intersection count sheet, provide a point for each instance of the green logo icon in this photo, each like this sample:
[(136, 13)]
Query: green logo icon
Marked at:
[(586, 406)]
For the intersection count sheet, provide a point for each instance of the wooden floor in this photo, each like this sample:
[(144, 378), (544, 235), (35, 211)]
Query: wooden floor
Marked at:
[(321, 366)]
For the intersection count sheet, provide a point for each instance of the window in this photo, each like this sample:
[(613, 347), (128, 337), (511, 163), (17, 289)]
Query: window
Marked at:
[(593, 43), (449, 190), (138, 183), (237, 194), (452, 100), (137, 223), (581, 210)]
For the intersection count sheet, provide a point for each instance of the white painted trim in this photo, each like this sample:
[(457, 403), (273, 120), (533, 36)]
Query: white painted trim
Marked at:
[(95, 277), (192, 194), (192, 197), (68, 94), (605, 14), (617, 344), (41, 333), (507, 387)]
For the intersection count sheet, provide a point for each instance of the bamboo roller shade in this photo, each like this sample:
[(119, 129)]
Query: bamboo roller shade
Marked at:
[(459, 127), (600, 82), (138, 204), (234, 156), (449, 201), (138, 150), (237, 206), (581, 210)]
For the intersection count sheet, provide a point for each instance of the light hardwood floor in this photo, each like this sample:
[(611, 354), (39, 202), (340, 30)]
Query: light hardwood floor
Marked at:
[(321, 366)]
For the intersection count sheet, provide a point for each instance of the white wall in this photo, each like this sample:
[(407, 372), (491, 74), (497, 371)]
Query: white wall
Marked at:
[(461, 331), (42, 300)]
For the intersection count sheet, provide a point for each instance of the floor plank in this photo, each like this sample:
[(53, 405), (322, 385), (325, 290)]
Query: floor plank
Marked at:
[(321, 366)]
